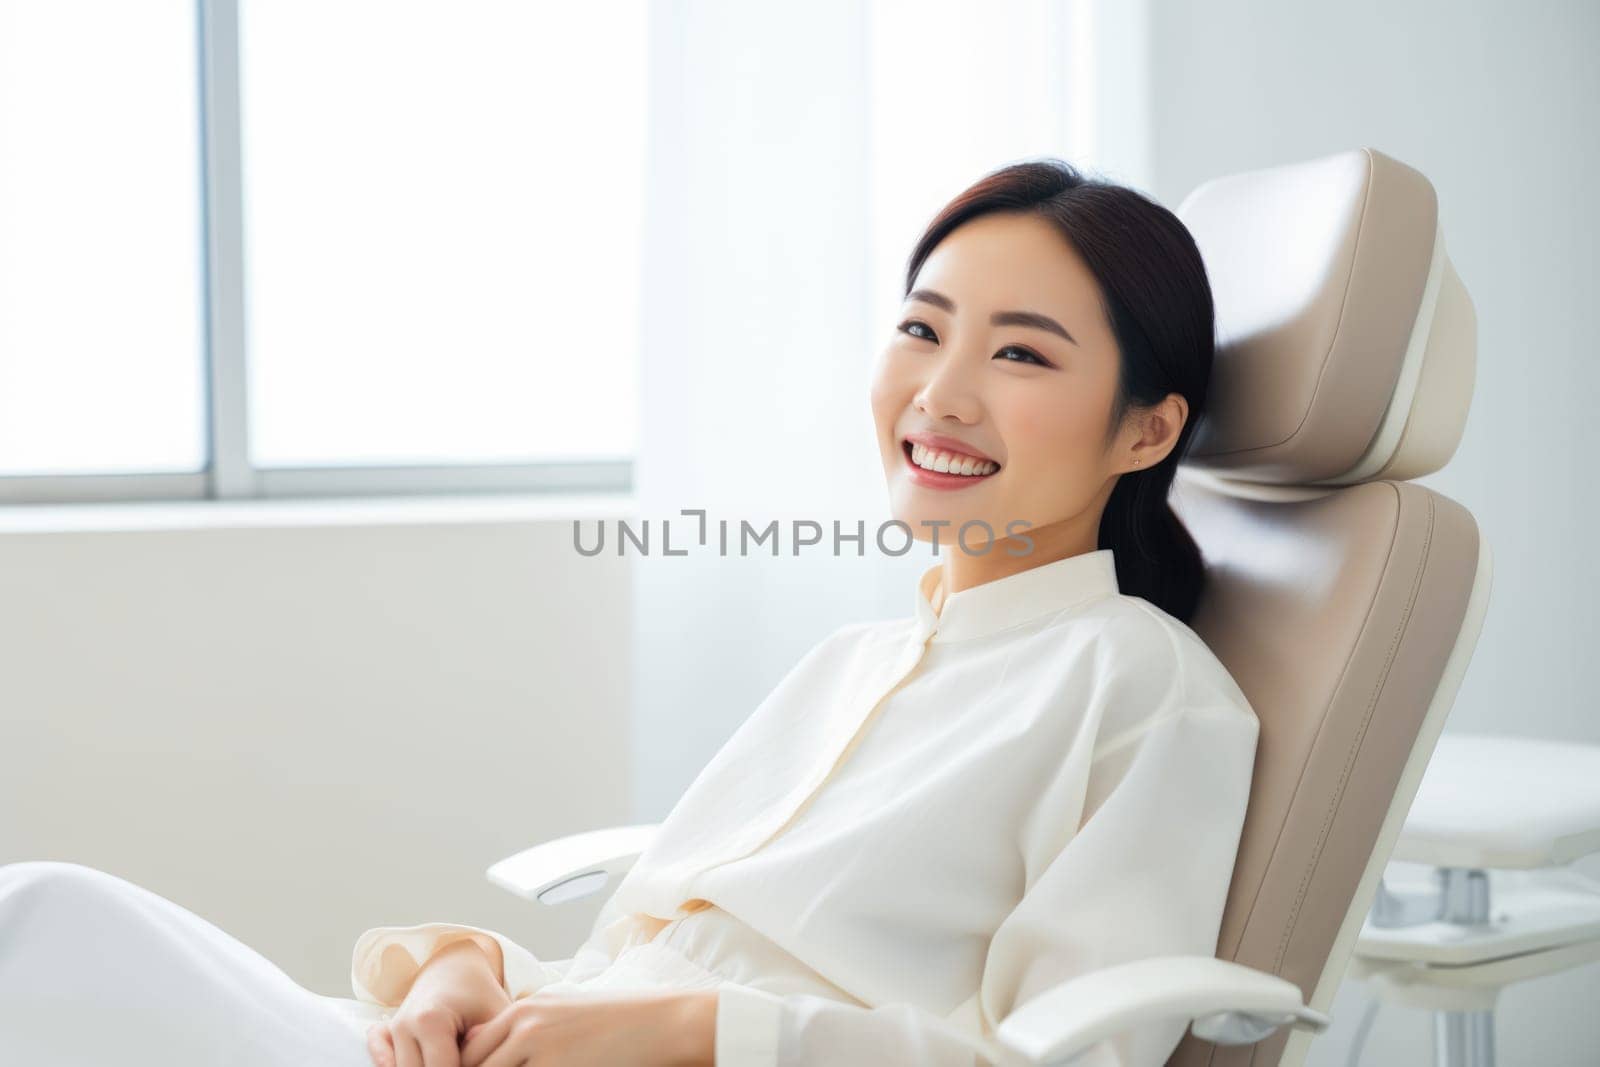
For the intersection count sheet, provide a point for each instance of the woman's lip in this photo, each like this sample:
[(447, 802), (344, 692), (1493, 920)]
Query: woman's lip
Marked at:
[(935, 480)]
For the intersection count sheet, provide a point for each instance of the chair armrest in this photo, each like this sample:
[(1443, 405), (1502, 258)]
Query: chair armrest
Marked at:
[(1230, 1004), (572, 867)]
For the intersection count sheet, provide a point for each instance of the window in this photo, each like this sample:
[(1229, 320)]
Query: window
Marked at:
[(280, 247), (101, 277)]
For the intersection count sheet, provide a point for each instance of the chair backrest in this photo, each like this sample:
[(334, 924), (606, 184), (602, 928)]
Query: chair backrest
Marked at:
[(1344, 598)]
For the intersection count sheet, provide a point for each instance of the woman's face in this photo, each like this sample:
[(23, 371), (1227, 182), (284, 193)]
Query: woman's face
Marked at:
[(1001, 352)]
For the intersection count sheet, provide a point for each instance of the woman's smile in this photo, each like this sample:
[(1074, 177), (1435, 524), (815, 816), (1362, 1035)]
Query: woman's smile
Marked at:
[(924, 465)]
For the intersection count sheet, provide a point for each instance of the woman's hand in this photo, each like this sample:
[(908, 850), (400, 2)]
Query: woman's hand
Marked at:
[(456, 989), (648, 1029)]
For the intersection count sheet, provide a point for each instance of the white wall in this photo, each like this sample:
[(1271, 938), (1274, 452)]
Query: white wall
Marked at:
[(1498, 104), (299, 721)]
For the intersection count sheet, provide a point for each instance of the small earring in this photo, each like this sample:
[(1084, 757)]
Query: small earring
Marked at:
[(1135, 463)]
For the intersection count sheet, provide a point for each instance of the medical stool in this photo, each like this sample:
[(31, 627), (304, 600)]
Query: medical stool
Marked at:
[(1494, 818)]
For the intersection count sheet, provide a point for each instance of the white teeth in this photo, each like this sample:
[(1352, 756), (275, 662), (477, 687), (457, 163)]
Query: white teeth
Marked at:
[(949, 462)]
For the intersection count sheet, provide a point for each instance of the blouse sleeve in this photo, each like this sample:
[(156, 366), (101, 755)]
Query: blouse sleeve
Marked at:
[(386, 960), (1146, 874)]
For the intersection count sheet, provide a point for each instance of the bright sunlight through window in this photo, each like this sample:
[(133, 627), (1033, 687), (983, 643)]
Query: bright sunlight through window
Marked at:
[(101, 274), (442, 211)]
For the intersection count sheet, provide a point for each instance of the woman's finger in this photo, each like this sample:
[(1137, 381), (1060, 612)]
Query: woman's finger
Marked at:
[(513, 1052), (380, 1045), (439, 1047), (486, 1037), (407, 1053)]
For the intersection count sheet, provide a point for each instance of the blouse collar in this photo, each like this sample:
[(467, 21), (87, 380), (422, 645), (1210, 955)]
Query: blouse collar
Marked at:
[(1017, 598)]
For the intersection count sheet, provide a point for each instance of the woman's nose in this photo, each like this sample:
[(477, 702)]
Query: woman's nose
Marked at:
[(950, 392)]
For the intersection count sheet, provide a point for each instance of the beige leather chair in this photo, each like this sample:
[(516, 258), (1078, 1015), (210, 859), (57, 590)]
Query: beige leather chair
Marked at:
[(1345, 599)]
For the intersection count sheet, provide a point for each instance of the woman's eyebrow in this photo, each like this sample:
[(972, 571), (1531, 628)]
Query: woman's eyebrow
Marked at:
[(999, 318)]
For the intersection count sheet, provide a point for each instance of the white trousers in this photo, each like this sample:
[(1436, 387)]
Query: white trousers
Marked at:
[(96, 971)]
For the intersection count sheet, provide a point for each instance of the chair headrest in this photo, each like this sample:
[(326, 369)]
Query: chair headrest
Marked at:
[(1347, 345)]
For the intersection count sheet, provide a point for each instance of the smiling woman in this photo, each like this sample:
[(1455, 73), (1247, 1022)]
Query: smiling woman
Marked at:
[(1048, 373), (1039, 772)]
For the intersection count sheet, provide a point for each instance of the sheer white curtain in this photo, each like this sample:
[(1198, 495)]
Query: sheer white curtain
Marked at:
[(796, 152)]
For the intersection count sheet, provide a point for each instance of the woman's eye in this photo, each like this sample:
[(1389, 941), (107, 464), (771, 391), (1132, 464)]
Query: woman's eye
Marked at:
[(911, 326), (1031, 355)]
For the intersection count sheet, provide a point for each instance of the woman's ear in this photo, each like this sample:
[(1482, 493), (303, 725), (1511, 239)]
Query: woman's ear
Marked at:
[(1160, 427)]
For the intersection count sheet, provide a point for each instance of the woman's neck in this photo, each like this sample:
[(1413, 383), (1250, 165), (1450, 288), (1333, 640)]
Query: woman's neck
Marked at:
[(1051, 543)]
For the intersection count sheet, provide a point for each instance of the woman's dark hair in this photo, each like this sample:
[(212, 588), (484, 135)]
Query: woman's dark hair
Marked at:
[(1158, 301)]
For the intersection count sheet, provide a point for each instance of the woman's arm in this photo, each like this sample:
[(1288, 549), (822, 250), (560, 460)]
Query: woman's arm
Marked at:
[(466, 961), (655, 1028), (386, 960), (697, 1028)]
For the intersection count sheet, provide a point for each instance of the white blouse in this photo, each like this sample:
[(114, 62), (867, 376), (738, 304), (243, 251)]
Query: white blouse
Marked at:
[(929, 821)]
